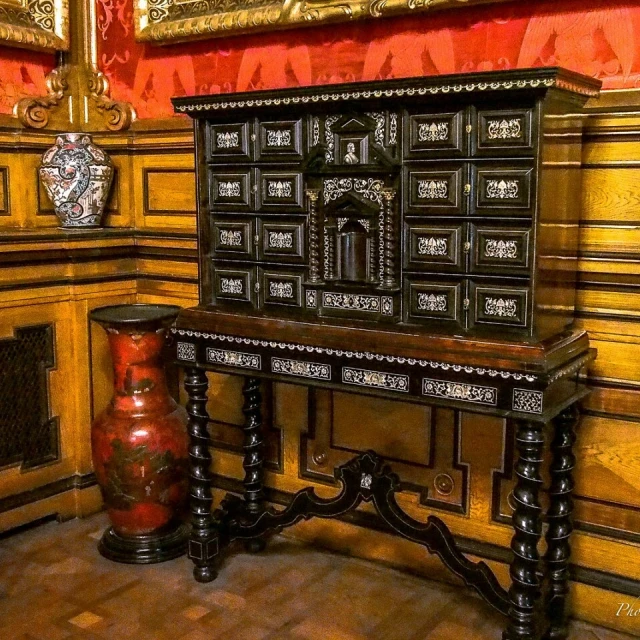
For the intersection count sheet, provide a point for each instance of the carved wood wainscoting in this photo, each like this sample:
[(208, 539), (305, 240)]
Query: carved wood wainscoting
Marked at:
[(454, 469)]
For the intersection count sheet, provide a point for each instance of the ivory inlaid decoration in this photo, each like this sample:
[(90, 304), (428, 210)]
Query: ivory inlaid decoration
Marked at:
[(234, 358), (504, 129), (366, 378), (280, 240), (430, 246), (502, 189), (502, 249), (393, 128), (302, 369), (378, 134), (527, 400), (229, 189), (230, 238), (501, 307), (186, 351), (433, 131), (356, 302), (279, 188), (433, 189), (278, 138), (460, 391), (231, 285), (370, 188), (227, 140), (433, 302), (281, 290)]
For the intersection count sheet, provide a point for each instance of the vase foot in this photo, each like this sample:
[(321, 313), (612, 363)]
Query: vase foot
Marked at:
[(165, 544)]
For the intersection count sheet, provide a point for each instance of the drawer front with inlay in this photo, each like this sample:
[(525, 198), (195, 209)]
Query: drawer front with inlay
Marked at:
[(499, 249), (502, 191), (231, 284), (280, 140), (440, 300), (494, 305), (503, 132), (230, 142), (433, 246), (233, 239), (281, 241), (278, 288), (431, 135), (438, 191), (280, 191), (231, 191)]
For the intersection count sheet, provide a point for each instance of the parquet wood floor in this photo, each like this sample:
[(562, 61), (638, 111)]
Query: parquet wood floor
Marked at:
[(54, 585)]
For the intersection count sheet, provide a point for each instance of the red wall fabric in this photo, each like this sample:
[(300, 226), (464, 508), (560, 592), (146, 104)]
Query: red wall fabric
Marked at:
[(22, 73), (600, 38)]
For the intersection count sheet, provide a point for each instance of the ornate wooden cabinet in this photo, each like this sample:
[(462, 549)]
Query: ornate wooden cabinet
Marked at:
[(413, 239)]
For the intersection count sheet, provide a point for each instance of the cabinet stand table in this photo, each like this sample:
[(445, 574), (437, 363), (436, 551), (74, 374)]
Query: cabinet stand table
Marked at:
[(532, 396)]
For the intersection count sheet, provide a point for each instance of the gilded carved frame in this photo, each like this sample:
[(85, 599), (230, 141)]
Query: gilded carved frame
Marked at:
[(163, 21), (35, 24)]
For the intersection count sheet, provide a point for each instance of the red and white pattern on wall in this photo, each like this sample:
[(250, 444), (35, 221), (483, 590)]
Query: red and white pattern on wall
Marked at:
[(600, 38), (22, 74)]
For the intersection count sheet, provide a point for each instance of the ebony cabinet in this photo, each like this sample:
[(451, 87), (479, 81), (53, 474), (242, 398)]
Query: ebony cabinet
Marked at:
[(422, 202)]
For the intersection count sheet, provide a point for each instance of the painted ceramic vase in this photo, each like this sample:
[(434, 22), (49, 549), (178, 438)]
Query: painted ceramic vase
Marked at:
[(77, 176), (139, 442)]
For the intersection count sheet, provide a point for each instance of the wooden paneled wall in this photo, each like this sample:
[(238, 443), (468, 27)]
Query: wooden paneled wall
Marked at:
[(455, 464)]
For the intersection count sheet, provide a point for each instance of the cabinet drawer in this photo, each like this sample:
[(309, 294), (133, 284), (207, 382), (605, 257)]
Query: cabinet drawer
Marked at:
[(436, 191), (229, 142), (502, 191), (231, 190), (279, 191), (233, 238), (499, 248), (280, 140), (499, 305), (282, 241), (281, 288), (435, 134), (503, 132), (441, 300), (234, 284), (433, 246)]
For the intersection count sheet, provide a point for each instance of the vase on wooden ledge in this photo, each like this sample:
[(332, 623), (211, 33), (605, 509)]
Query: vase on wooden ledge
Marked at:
[(77, 176), (139, 442)]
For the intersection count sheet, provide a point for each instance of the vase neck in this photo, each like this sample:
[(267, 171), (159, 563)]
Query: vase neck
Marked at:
[(138, 369)]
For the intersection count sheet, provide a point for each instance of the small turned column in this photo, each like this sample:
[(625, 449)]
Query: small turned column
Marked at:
[(331, 252), (253, 461), (525, 581), (389, 259), (314, 236), (560, 522), (203, 544), (374, 271)]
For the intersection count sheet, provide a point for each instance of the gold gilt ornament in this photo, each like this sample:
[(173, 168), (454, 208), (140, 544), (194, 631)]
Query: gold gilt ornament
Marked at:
[(35, 24), (170, 20)]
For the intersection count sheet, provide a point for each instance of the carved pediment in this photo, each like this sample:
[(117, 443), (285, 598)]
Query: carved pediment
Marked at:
[(351, 204), (351, 124)]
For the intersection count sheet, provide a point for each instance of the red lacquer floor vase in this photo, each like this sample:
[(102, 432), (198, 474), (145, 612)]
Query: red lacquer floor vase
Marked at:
[(139, 442)]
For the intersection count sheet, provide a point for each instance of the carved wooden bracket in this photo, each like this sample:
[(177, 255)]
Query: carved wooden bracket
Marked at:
[(34, 111), (118, 116)]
